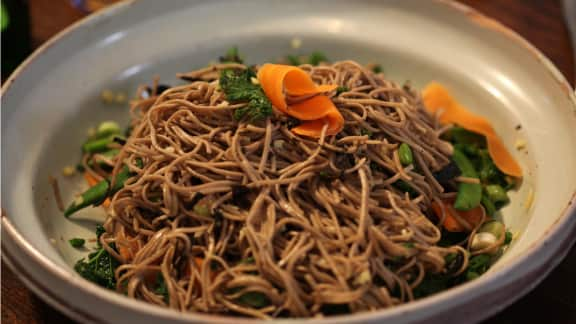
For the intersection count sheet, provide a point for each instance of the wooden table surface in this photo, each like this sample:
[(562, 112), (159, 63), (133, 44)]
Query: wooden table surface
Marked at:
[(539, 21)]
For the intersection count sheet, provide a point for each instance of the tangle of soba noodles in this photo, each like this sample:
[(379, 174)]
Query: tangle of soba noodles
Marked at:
[(301, 223)]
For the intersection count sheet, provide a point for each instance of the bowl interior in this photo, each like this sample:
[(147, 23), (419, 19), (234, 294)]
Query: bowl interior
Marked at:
[(49, 107)]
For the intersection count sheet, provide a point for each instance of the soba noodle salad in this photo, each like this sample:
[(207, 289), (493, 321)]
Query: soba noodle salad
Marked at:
[(301, 189)]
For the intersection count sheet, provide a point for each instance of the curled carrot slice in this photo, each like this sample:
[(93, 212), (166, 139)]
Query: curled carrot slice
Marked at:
[(277, 81), (438, 99)]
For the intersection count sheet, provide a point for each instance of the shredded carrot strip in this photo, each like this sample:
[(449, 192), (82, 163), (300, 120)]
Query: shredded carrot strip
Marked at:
[(127, 248), (277, 81), (437, 99), (472, 216), (92, 181)]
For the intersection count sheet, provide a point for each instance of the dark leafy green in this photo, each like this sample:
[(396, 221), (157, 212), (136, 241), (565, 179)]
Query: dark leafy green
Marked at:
[(77, 242), (254, 299), (162, 288), (238, 87), (341, 89), (98, 268), (232, 56), (293, 60), (317, 57)]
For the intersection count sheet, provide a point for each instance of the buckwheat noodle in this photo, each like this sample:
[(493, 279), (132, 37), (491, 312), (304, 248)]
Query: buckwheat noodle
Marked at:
[(307, 223)]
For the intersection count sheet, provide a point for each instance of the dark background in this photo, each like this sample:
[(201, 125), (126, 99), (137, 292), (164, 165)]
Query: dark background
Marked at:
[(539, 21)]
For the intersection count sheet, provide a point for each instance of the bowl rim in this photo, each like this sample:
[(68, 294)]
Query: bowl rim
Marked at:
[(519, 264)]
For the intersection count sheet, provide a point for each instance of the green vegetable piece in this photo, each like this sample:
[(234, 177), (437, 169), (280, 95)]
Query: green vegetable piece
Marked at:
[(80, 167), (366, 132), (254, 299), (77, 242), (97, 145), (107, 128), (497, 194), (99, 267), (405, 187), (508, 238), (471, 275), (121, 178), (293, 60), (232, 56), (162, 288), (493, 227), (488, 205), (95, 195), (5, 18), (377, 68), (238, 87), (341, 89), (202, 209), (99, 231), (465, 137), (317, 57), (128, 131), (469, 194), (405, 154), (479, 263), (248, 260)]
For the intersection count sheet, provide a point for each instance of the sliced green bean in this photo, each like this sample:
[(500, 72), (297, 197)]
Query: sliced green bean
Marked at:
[(469, 194), (95, 195), (97, 145), (107, 128), (405, 154), (124, 175), (488, 205)]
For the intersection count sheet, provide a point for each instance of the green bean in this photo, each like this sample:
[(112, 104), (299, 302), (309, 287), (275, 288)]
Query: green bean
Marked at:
[(95, 195), (469, 194), (488, 205), (107, 128), (497, 194), (405, 154), (124, 175), (97, 145)]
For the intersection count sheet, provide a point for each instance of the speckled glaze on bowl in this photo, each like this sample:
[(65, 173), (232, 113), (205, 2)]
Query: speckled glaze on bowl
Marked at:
[(52, 99)]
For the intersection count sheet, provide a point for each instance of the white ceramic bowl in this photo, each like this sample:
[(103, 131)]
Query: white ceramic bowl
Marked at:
[(48, 104)]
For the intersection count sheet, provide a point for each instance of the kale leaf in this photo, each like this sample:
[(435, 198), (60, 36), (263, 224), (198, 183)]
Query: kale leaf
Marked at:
[(100, 265)]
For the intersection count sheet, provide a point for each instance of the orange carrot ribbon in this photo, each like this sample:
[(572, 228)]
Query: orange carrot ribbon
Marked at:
[(438, 99), (277, 81)]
